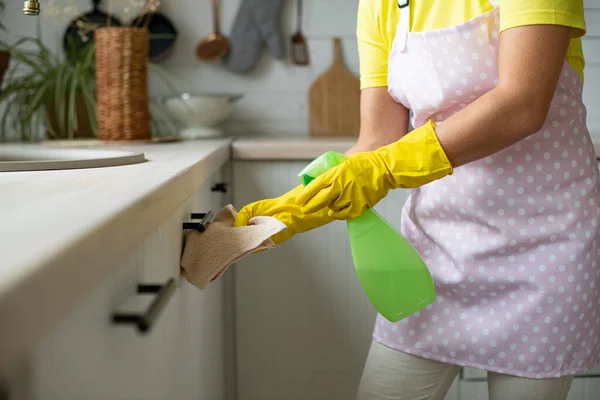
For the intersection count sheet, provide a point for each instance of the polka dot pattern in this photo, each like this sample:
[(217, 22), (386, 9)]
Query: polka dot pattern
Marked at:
[(511, 240)]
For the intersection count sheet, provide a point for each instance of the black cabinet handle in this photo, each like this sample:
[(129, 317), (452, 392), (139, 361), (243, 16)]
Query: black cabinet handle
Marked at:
[(200, 226), (220, 187), (144, 321)]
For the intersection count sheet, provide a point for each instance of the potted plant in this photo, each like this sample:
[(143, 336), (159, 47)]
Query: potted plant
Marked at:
[(44, 89), (4, 55), (59, 93)]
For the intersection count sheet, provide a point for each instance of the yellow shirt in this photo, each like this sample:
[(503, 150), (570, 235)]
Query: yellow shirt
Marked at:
[(377, 21)]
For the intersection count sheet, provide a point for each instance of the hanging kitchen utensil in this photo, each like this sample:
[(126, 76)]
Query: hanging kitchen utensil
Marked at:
[(299, 45), (215, 46), (81, 30), (334, 100), (163, 33)]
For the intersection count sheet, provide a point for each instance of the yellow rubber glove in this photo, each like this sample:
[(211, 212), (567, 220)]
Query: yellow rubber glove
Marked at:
[(360, 182), (285, 209)]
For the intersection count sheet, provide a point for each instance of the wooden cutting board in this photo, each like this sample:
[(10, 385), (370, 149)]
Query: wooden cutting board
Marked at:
[(334, 100)]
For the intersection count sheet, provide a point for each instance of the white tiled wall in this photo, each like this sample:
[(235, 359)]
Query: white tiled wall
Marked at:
[(275, 92), (591, 48)]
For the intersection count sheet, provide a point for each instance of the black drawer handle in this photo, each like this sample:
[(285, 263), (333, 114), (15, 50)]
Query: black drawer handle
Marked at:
[(200, 226), (144, 322), (220, 187)]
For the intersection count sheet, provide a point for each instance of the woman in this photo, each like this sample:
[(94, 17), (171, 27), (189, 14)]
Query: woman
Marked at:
[(505, 209)]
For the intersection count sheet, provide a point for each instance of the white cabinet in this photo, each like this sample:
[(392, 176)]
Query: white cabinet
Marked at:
[(205, 360), (184, 355), (303, 323)]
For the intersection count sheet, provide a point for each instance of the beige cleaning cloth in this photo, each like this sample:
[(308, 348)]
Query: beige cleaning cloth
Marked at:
[(207, 255)]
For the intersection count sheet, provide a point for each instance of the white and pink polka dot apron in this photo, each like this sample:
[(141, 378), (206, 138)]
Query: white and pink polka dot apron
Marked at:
[(511, 240)]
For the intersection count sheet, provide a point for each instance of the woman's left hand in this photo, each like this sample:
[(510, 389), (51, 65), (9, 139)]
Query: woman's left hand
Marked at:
[(364, 179)]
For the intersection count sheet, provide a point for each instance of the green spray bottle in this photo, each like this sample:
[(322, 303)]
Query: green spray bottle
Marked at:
[(391, 272)]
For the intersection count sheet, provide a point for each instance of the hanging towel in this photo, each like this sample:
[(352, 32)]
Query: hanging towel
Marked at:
[(207, 255), (256, 25)]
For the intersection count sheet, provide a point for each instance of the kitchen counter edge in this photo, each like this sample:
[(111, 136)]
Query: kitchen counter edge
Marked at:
[(275, 149), (38, 296)]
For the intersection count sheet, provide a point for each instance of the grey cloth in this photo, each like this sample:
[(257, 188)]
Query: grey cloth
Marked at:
[(257, 24)]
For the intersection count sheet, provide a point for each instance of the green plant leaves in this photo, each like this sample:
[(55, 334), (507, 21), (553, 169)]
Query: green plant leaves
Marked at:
[(40, 83)]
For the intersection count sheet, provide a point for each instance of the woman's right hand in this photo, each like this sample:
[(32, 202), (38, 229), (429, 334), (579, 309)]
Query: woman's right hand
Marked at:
[(285, 209), (383, 121)]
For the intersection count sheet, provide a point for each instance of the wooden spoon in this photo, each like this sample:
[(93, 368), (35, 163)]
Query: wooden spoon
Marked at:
[(215, 45)]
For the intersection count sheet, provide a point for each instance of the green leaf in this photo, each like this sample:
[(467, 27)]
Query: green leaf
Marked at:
[(88, 57), (37, 117), (21, 124), (3, 120), (38, 99), (90, 103), (41, 49), (7, 93), (59, 99), (24, 58), (72, 115), (49, 128)]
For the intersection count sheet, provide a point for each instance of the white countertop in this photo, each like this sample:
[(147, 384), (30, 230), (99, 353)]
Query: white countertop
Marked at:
[(282, 149), (306, 148), (60, 230)]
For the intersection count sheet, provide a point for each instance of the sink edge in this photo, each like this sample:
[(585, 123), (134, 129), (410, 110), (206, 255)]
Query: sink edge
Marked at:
[(56, 165)]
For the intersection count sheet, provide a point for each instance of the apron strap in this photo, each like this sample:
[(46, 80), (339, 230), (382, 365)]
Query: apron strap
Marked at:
[(404, 25)]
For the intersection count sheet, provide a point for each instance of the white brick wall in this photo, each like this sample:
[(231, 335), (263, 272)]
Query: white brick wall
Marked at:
[(275, 93)]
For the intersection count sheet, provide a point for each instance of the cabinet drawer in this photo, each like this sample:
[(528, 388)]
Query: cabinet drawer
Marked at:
[(88, 357), (204, 353)]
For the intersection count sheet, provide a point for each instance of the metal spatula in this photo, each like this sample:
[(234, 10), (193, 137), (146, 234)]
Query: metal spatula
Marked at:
[(299, 45)]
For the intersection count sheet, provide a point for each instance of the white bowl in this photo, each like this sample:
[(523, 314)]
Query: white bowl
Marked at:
[(200, 113)]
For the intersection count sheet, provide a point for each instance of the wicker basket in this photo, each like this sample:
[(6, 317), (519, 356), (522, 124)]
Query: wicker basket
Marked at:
[(122, 83)]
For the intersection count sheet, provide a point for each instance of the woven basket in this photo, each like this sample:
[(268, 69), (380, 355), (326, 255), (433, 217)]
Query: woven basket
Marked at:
[(122, 83)]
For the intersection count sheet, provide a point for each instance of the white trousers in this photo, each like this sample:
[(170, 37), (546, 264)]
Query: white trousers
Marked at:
[(393, 375)]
